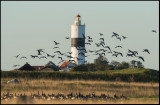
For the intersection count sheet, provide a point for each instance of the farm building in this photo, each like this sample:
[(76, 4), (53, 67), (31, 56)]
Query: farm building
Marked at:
[(27, 67), (50, 66), (66, 66)]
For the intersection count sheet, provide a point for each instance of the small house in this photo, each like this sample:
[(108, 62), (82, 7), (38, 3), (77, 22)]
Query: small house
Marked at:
[(66, 66), (50, 66), (27, 67)]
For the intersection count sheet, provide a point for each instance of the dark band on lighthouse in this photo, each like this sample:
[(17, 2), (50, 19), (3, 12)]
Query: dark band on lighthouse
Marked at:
[(78, 42)]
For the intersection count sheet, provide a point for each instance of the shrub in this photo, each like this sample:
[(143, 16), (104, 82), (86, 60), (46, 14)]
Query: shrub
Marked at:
[(80, 68)]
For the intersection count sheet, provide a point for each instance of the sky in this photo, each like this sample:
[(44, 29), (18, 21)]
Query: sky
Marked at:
[(30, 25)]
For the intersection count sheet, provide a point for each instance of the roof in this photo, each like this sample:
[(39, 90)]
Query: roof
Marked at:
[(51, 65), (38, 67), (26, 67), (65, 64), (78, 15)]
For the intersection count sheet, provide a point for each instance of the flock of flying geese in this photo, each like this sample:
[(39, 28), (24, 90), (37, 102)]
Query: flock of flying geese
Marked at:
[(102, 51), (61, 96)]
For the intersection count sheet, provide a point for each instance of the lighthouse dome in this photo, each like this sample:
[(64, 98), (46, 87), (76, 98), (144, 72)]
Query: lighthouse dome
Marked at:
[(78, 15)]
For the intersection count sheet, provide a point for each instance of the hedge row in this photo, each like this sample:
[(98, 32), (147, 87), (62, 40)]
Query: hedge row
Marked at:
[(146, 77)]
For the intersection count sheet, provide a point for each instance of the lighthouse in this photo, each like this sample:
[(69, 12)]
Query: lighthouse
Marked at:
[(78, 41)]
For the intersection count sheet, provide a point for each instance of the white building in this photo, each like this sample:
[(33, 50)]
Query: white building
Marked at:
[(78, 41)]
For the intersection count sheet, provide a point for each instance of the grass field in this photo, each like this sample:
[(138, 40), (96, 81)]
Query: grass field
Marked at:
[(136, 92)]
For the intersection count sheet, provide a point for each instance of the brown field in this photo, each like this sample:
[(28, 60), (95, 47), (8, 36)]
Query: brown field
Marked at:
[(142, 93)]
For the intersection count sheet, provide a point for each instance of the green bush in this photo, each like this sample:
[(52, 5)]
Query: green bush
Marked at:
[(91, 67), (123, 65), (80, 68)]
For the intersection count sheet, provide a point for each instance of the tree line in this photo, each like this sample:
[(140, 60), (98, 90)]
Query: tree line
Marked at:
[(101, 64)]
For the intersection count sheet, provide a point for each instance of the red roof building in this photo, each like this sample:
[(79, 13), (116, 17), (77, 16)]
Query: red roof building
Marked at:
[(66, 65)]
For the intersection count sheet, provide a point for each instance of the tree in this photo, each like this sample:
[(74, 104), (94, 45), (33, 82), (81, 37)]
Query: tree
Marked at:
[(114, 63), (91, 66), (80, 68), (110, 67), (101, 63), (139, 64), (123, 65)]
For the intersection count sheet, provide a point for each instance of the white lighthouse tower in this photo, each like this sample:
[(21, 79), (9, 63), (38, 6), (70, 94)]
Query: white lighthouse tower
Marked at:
[(78, 41)]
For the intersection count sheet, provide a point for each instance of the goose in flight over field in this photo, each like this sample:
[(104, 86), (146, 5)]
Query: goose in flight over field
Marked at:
[(90, 51), (109, 52), (103, 50), (67, 37), (103, 54), (55, 47), (101, 39), (115, 34), (108, 47), (129, 55), (154, 31), (60, 58), (100, 34), (130, 51), (124, 37), (69, 52), (52, 56), (146, 50), (88, 43), (97, 44), (48, 55), (34, 56), (39, 51), (118, 46), (119, 38), (23, 57), (115, 54), (15, 65), (139, 57), (120, 54), (56, 43), (89, 37), (17, 56), (90, 40), (115, 51), (43, 57), (59, 52), (135, 52)]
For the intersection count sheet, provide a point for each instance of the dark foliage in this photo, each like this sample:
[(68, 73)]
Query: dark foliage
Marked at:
[(80, 68), (136, 77)]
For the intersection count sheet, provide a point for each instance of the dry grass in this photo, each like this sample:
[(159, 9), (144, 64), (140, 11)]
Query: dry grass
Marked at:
[(137, 92), (132, 101)]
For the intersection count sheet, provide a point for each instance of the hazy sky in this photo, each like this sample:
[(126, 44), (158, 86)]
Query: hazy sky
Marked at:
[(29, 25)]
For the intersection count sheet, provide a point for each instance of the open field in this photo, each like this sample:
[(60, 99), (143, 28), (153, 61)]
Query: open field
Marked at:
[(138, 85), (143, 93)]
